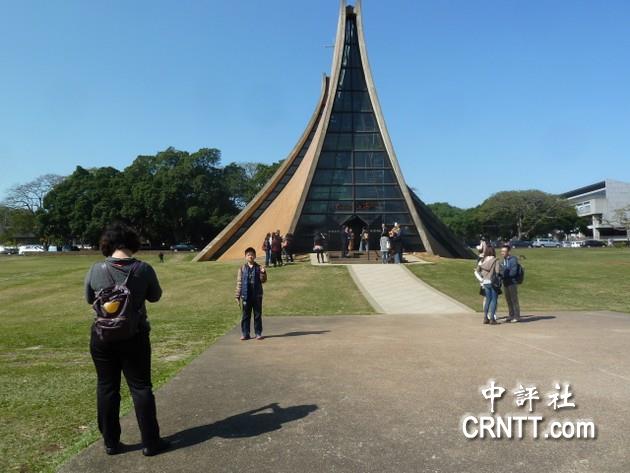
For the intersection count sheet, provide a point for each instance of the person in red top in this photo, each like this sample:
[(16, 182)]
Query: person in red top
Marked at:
[(276, 249)]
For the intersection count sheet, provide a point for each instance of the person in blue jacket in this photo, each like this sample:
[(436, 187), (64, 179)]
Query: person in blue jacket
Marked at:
[(249, 294)]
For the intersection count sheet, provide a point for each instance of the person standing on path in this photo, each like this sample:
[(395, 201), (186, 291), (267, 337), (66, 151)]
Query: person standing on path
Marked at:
[(385, 245), (249, 294), (509, 271), (487, 273), (364, 244), (131, 356)]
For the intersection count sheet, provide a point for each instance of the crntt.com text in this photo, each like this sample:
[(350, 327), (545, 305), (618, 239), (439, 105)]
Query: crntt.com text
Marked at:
[(517, 427)]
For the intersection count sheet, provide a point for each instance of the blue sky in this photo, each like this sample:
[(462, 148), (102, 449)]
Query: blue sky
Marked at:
[(479, 96)]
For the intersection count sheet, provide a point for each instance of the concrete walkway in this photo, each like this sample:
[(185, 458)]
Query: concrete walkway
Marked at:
[(393, 289), (388, 393)]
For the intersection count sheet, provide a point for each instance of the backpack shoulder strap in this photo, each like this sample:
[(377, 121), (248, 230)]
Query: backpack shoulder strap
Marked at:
[(134, 266)]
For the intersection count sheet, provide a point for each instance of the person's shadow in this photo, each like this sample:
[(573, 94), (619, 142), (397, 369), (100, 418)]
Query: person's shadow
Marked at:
[(534, 318), (248, 424), (298, 334)]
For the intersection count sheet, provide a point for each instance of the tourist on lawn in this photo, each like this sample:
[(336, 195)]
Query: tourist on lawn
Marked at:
[(266, 246), (249, 294), (318, 246), (276, 249), (287, 247), (114, 350), (488, 275), (481, 247), (509, 271), (385, 246)]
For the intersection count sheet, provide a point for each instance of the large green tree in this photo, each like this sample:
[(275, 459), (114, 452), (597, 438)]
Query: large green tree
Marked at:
[(525, 214), (81, 205)]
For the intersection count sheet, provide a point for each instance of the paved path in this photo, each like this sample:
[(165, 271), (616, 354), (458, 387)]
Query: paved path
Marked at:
[(393, 289), (387, 393)]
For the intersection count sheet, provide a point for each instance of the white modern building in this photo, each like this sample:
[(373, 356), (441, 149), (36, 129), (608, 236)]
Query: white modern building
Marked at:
[(603, 202)]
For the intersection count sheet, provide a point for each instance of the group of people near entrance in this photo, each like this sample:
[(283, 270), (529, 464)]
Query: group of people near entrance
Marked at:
[(390, 244), (278, 249), (495, 277)]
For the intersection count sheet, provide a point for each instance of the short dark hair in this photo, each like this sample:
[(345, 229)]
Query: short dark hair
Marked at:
[(507, 245), (250, 250), (119, 236)]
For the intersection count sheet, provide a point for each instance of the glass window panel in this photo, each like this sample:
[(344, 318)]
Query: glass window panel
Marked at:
[(370, 159), (358, 81), (331, 177), (395, 206), (341, 206), (372, 176), (368, 141), (345, 79), (355, 57), (361, 102), (335, 160), (370, 206), (378, 192), (344, 142), (343, 102), (315, 207), (365, 122), (340, 122), (330, 193), (313, 220), (347, 55), (330, 142)]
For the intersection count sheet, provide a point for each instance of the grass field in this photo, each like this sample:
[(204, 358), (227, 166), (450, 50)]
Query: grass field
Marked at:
[(555, 279), (47, 381)]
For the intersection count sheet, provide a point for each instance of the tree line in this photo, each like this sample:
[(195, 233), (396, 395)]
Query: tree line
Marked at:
[(513, 215), (171, 197), (175, 196)]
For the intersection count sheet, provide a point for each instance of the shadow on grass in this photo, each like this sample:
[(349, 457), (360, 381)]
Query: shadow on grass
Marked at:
[(298, 334), (248, 424)]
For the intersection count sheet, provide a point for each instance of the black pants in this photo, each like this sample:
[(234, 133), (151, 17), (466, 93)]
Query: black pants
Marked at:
[(250, 304), (133, 358)]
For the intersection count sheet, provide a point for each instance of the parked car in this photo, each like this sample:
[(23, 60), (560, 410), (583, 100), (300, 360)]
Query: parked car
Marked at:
[(26, 249), (8, 250), (545, 243), (520, 244), (69, 248), (566, 244), (576, 244), (184, 247), (593, 243)]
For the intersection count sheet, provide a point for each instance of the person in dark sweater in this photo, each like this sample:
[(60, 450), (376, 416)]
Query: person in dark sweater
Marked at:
[(132, 356), (249, 294)]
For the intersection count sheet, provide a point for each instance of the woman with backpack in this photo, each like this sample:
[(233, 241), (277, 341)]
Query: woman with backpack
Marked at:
[(118, 288), (488, 275)]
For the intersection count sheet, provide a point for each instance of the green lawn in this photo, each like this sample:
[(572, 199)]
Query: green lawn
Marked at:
[(47, 382), (555, 279)]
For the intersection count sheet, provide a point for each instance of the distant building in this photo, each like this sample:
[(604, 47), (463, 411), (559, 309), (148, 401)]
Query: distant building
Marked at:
[(600, 202)]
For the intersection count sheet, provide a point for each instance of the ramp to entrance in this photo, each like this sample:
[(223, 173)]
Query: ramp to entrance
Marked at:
[(393, 289)]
